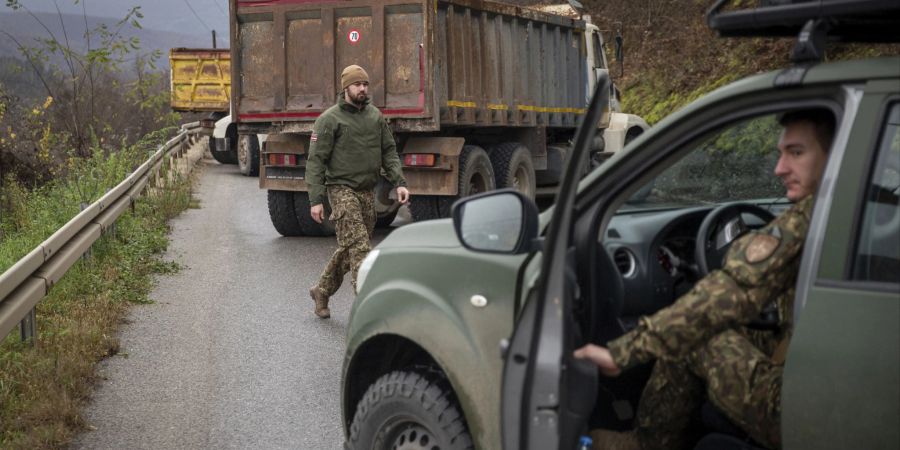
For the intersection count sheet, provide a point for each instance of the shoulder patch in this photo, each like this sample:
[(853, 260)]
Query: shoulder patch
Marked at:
[(314, 137), (761, 247)]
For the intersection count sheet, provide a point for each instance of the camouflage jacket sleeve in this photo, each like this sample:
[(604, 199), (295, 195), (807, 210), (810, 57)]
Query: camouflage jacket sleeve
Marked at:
[(321, 143), (757, 267), (390, 161)]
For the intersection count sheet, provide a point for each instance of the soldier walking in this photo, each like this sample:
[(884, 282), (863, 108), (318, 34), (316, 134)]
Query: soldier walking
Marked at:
[(350, 144)]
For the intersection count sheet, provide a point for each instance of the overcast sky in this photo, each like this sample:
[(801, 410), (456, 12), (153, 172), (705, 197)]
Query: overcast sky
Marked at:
[(169, 15)]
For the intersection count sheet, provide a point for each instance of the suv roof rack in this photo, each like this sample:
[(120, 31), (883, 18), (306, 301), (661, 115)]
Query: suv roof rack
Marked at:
[(842, 20)]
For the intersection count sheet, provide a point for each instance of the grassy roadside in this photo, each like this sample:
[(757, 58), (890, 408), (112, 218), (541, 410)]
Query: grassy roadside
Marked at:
[(43, 387)]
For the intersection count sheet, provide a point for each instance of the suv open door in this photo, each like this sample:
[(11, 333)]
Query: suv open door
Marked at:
[(547, 394)]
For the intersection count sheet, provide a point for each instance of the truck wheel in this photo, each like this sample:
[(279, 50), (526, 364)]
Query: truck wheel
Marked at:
[(308, 226), (281, 211), (404, 409), (513, 167), (248, 155), (424, 207), (385, 220), (476, 175), (632, 133), (220, 153)]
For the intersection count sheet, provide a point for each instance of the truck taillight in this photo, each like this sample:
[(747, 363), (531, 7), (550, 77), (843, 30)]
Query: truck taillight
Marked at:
[(282, 159), (418, 159)]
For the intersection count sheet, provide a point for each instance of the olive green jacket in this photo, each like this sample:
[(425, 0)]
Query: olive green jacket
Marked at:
[(349, 146), (760, 267)]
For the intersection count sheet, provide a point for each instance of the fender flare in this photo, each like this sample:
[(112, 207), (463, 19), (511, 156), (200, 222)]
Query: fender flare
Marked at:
[(620, 125)]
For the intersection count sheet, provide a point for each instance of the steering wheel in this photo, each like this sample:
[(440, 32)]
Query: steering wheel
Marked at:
[(719, 229)]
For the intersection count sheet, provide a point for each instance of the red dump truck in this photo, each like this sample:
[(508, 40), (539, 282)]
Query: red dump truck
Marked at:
[(480, 95)]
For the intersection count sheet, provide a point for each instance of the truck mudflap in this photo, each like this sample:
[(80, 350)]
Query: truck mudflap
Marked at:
[(431, 165)]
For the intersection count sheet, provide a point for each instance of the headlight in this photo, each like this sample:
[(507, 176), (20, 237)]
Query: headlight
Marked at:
[(364, 269)]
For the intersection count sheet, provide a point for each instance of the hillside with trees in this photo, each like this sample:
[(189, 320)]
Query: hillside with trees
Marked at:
[(73, 87), (671, 57)]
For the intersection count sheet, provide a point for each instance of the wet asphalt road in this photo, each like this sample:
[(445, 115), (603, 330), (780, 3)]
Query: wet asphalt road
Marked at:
[(230, 354)]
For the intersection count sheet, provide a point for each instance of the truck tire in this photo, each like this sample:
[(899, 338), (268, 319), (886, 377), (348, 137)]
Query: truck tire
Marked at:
[(248, 155), (426, 207), (406, 407), (514, 168), (476, 175), (222, 155), (632, 133), (385, 220), (308, 226), (281, 211)]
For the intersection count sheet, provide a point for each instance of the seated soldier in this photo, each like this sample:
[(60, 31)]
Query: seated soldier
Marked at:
[(701, 343)]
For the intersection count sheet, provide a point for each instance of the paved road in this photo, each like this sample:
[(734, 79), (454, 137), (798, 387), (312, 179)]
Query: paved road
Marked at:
[(230, 354)]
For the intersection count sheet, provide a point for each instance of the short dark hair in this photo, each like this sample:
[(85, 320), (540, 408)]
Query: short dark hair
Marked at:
[(822, 120)]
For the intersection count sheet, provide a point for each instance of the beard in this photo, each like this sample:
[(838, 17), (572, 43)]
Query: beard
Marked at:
[(359, 99)]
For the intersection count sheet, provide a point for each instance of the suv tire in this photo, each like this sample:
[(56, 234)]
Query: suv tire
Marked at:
[(406, 409)]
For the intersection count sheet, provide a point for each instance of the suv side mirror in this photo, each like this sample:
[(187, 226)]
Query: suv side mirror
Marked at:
[(503, 221)]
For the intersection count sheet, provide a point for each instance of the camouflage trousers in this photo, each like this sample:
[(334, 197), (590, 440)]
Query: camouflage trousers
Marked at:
[(732, 373), (353, 215)]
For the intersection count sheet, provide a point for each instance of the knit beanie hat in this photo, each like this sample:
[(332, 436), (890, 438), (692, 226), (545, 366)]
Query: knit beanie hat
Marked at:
[(352, 74)]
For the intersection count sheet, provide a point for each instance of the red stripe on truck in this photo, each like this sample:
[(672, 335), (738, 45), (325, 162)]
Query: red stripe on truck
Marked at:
[(294, 115), (245, 3)]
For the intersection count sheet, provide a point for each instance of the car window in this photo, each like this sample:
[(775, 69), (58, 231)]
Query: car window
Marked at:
[(878, 248), (734, 163), (598, 51)]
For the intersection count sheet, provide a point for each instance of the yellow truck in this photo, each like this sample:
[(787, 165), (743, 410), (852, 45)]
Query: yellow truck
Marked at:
[(200, 79)]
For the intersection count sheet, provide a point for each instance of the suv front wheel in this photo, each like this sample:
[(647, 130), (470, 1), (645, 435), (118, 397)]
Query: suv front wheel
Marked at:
[(407, 410)]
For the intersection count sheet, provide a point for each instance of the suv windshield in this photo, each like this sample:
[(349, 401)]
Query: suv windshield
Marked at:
[(734, 163)]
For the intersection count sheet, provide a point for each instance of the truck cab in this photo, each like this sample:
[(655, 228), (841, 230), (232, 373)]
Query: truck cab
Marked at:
[(623, 127)]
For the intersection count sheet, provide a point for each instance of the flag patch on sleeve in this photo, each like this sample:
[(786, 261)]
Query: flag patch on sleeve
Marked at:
[(314, 137)]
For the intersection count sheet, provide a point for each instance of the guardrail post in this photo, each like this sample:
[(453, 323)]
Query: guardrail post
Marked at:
[(28, 327), (87, 254)]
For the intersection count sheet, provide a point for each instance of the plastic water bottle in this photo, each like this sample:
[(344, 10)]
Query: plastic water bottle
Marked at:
[(585, 443)]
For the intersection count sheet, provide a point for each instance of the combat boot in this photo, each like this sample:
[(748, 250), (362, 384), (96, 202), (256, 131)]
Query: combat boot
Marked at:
[(614, 440), (321, 302)]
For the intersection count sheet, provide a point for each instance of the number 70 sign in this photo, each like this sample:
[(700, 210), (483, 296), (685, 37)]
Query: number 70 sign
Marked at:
[(354, 36)]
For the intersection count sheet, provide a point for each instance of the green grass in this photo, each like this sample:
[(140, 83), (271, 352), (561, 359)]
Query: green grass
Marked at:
[(43, 386)]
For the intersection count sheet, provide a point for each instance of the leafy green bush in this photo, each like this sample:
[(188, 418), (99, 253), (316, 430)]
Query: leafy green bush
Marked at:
[(43, 386)]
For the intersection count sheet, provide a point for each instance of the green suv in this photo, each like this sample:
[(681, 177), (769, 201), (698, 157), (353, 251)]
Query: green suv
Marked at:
[(463, 330)]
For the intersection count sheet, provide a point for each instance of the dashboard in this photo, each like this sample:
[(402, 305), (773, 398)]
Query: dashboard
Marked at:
[(653, 251)]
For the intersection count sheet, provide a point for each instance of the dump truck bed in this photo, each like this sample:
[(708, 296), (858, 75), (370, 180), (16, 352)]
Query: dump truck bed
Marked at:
[(431, 64), (200, 79)]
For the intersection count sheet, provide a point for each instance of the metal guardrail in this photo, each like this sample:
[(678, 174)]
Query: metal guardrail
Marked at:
[(29, 280)]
